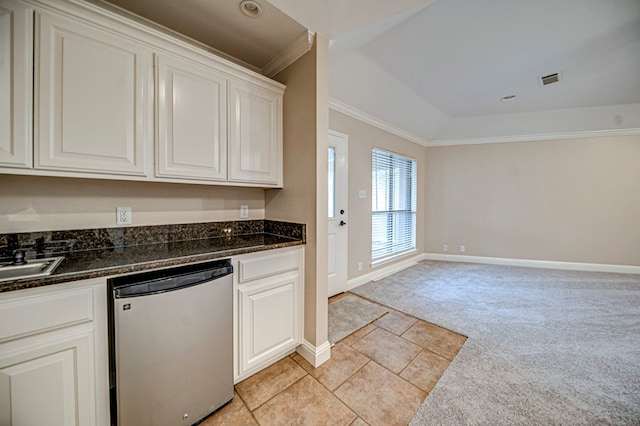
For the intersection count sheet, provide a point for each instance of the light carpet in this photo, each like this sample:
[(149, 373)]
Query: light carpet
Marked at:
[(545, 347), (349, 314)]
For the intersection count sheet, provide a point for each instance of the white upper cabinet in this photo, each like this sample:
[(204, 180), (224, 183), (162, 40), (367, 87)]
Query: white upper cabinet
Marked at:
[(91, 98), (255, 134), (16, 88), (88, 92), (192, 120)]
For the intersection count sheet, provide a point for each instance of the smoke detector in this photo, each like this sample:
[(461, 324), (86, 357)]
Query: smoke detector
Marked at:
[(549, 79), (251, 8)]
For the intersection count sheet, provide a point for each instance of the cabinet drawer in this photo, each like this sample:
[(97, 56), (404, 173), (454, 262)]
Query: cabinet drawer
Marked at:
[(265, 265), (24, 316)]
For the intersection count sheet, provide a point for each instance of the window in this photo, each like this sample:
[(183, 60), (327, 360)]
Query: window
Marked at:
[(393, 211), (332, 182)]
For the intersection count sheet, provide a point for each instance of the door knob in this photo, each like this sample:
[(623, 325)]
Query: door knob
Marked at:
[(342, 223), (341, 211)]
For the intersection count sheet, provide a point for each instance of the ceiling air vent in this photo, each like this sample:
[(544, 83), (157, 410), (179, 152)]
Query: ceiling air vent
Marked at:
[(549, 79)]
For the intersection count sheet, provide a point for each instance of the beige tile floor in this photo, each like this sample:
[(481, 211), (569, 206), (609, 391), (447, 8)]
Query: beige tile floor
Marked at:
[(379, 375)]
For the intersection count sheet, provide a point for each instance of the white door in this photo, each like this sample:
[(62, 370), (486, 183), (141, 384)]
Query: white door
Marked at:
[(338, 216)]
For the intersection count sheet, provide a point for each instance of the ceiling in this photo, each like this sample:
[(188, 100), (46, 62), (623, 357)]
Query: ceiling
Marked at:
[(437, 69), (222, 25)]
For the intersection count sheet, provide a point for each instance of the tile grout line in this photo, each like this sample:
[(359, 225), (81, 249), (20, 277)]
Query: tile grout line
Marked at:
[(409, 315), (341, 384), (410, 361), (282, 390), (246, 406), (332, 392), (422, 348)]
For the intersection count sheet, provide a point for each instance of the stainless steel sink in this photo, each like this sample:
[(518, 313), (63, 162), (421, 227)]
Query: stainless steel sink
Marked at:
[(32, 269)]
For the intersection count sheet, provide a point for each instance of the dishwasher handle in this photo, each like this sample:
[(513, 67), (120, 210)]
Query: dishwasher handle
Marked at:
[(170, 283)]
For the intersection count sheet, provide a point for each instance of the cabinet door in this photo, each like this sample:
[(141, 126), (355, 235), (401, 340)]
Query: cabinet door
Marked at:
[(50, 384), (53, 355), (269, 320), (92, 98), (192, 120), (255, 134), (16, 84)]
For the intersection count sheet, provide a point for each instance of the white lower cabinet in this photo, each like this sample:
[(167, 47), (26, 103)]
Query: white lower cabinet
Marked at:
[(268, 292), (53, 355)]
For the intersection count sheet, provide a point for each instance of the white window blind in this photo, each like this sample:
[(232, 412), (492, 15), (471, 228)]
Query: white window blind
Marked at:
[(393, 209)]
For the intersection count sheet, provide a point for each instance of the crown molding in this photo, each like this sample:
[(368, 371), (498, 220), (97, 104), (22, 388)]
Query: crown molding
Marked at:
[(289, 55), (533, 137), (339, 106), (336, 105)]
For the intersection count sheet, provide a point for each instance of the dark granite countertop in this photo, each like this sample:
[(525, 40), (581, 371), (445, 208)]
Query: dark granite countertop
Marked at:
[(80, 265)]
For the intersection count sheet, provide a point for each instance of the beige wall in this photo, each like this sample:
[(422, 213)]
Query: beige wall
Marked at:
[(362, 138), (36, 203), (305, 179), (574, 200)]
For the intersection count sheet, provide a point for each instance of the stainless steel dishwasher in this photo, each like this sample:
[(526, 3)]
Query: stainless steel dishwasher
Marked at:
[(171, 344)]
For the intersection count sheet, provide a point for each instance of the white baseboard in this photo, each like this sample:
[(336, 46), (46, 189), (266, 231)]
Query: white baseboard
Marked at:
[(315, 355), (570, 266), (384, 271)]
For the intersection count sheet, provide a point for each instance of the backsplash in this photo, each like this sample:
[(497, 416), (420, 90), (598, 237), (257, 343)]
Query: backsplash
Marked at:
[(50, 242), (297, 231)]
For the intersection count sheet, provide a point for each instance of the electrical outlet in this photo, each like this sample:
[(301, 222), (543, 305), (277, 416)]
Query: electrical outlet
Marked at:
[(359, 266), (244, 212), (462, 249), (445, 247), (362, 193), (123, 215)]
